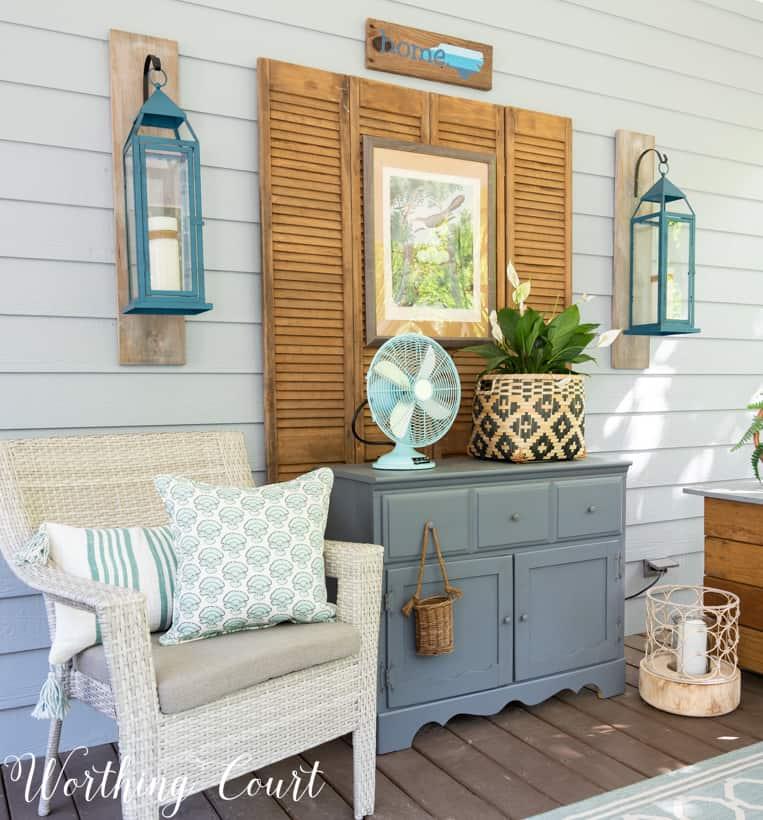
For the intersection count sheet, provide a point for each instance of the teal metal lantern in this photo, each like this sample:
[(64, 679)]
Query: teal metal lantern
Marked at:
[(662, 259), (162, 175)]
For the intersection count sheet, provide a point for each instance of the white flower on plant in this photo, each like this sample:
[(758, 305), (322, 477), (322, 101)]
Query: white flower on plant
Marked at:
[(511, 275), (606, 338), (521, 293), (495, 328)]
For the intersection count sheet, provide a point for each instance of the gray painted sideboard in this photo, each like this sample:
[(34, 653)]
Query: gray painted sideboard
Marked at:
[(538, 550)]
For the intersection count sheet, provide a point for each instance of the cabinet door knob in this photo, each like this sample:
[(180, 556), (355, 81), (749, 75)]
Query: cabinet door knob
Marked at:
[(507, 619), (523, 617), (515, 516), (592, 508)]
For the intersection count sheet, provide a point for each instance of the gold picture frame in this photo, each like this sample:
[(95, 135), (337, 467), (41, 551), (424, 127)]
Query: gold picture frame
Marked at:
[(429, 228)]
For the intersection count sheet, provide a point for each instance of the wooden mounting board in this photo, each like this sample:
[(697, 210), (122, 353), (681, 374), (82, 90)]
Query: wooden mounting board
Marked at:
[(628, 352), (142, 339)]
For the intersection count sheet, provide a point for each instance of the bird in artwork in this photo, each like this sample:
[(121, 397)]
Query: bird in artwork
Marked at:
[(422, 220)]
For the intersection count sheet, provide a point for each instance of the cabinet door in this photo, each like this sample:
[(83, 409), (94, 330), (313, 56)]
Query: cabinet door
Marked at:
[(568, 607), (482, 657)]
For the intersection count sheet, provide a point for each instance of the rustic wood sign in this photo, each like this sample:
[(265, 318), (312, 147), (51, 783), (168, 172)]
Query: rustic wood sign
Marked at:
[(417, 53)]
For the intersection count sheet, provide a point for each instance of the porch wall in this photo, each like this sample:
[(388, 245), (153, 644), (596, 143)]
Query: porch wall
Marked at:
[(690, 73)]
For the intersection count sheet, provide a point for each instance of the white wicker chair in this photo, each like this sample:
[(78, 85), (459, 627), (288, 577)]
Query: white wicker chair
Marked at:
[(108, 481)]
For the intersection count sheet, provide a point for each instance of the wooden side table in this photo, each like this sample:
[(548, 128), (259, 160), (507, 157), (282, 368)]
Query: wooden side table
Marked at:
[(734, 557)]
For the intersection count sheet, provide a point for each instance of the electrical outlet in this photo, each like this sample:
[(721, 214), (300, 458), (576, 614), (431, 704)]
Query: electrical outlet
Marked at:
[(658, 566)]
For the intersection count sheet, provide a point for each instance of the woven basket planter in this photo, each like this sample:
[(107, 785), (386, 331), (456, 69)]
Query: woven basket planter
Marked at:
[(528, 417)]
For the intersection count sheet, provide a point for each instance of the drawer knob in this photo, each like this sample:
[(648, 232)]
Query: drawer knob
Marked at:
[(515, 516), (507, 619), (523, 617), (592, 508)]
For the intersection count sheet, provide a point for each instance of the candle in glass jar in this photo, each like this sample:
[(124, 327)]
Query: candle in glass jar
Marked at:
[(164, 253), (692, 646)]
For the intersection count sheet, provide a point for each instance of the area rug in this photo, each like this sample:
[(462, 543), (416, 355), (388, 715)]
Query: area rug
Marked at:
[(728, 787)]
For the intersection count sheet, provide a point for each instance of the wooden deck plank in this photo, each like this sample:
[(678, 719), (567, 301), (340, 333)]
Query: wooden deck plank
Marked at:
[(5, 812), (336, 764), (546, 774), (246, 806), (436, 791), (509, 794), (713, 731), (648, 729), (608, 739), (559, 745), (61, 807), (78, 765), (326, 805)]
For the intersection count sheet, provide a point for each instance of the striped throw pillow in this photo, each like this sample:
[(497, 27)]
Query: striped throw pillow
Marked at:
[(140, 558)]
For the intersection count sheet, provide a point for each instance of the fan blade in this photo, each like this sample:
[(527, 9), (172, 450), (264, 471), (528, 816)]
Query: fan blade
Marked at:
[(400, 419), (427, 366), (435, 409), (392, 372)]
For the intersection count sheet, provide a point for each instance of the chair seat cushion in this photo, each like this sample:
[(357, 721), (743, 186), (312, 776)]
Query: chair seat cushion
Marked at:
[(192, 674)]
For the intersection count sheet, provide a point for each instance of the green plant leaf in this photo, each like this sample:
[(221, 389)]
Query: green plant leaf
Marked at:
[(757, 455), (488, 350), (507, 321)]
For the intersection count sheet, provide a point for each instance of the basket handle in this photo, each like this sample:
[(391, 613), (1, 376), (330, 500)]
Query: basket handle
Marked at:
[(452, 591)]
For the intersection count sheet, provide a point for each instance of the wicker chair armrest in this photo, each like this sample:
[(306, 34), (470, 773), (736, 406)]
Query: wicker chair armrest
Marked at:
[(358, 570), (80, 593), (123, 618)]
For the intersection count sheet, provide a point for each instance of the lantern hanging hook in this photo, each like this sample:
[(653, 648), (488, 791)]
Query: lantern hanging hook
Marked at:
[(662, 167), (152, 63)]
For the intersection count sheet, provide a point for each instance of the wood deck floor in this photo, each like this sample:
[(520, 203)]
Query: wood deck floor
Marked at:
[(521, 762)]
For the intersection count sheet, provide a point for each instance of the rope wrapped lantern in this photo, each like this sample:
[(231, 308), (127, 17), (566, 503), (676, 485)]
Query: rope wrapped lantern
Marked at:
[(690, 661)]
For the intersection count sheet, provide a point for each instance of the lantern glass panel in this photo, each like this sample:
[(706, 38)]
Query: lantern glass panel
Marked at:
[(169, 224), (132, 251), (646, 247), (677, 267)]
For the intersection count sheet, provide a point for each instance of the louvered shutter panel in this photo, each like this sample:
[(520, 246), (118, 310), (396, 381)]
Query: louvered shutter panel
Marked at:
[(470, 125), (311, 125), (539, 204), (304, 163), (380, 110)]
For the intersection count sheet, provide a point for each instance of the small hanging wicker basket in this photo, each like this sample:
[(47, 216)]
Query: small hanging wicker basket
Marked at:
[(434, 615)]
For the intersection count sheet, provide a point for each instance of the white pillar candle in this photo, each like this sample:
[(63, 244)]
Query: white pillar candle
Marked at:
[(692, 646), (164, 253)]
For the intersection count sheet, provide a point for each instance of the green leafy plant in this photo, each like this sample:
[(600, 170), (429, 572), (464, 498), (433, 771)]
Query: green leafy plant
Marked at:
[(753, 436), (524, 341)]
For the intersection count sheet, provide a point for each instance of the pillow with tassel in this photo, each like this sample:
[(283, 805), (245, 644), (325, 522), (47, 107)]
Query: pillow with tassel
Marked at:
[(140, 558)]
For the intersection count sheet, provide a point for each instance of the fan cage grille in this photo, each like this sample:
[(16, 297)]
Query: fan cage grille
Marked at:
[(407, 352)]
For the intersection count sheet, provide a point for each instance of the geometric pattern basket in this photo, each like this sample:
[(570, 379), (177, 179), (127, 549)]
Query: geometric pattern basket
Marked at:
[(528, 417)]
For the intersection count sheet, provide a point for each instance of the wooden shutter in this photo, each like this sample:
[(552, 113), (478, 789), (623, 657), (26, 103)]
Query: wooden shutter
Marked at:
[(311, 126), (471, 125), (307, 286), (539, 204), (380, 110)]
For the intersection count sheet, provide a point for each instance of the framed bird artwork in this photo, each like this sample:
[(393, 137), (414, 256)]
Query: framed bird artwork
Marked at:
[(429, 225)]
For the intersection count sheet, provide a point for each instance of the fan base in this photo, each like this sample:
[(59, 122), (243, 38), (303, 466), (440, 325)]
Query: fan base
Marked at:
[(403, 457)]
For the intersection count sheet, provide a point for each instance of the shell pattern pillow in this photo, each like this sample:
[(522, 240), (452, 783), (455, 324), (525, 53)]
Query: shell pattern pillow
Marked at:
[(247, 557)]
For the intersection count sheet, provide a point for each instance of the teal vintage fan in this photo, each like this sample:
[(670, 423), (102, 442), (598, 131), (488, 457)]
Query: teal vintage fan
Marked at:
[(414, 394)]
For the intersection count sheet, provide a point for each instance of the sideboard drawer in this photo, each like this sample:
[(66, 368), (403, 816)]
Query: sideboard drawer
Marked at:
[(519, 514), (589, 507), (405, 514)]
